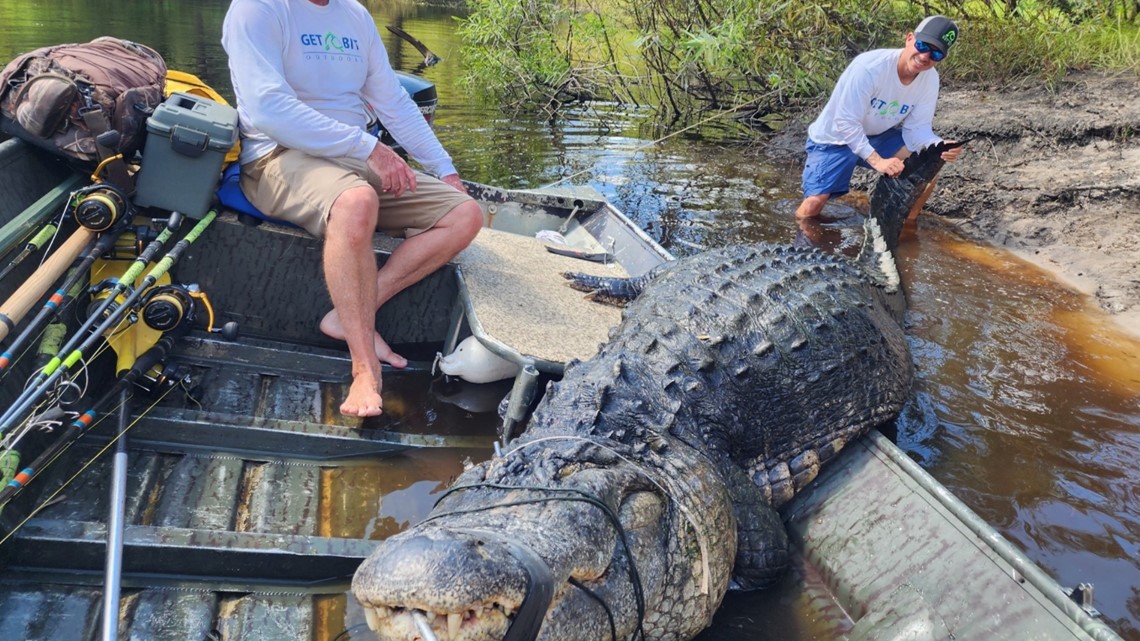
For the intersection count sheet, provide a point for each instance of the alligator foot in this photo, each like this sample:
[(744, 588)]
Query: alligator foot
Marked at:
[(610, 290)]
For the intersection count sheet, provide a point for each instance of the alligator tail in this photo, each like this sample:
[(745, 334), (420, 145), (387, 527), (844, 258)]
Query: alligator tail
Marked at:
[(893, 198), (877, 255)]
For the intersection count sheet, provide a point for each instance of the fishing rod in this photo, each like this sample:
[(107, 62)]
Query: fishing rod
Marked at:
[(111, 311), (57, 302), (168, 314), (69, 290), (12, 311), (55, 415), (147, 365), (116, 513), (50, 343), (107, 315), (97, 208), (33, 245)]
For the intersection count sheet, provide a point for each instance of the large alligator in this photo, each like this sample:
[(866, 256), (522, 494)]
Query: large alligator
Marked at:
[(648, 478)]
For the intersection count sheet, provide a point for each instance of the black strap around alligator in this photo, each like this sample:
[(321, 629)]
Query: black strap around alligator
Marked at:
[(583, 497), (539, 588)]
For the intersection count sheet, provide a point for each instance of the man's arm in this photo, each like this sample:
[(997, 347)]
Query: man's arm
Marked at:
[(854, 91), (254, 41), (918, 127), (401, 116)]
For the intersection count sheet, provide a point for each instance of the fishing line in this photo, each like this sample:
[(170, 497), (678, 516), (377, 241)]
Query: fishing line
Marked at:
[(107, 310), (59, 222), (53, 399), (348, 631), (61, 301), (47, 502), (649, 472)]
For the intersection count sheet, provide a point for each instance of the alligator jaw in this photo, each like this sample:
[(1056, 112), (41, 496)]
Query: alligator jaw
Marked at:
[(513, 595)]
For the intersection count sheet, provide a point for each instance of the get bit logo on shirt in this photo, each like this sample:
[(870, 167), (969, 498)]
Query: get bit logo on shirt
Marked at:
[(884, 109), (329, 45)]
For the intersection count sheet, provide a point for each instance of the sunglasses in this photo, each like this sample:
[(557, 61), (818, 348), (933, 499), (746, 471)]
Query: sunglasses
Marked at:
[(935, 54)]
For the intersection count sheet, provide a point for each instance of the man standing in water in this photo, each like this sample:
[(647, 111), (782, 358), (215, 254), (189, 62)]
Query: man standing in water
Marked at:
[(304, 73), (882, 109)]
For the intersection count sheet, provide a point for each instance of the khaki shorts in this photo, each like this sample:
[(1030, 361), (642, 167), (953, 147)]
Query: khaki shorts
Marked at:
[(295, 187)]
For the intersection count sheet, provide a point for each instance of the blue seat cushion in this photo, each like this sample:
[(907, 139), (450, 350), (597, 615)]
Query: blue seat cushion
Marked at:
[(231, 196)]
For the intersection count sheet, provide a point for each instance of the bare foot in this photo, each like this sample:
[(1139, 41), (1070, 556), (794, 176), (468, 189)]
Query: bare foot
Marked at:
[(363, 397), (331, 327)]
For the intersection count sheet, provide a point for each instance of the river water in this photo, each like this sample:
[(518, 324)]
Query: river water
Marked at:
[(1027, 402)]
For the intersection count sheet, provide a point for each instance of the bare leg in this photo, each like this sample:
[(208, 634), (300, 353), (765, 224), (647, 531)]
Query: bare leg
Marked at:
[(411, 261), (921, 201), (811, 206), (350, 271)]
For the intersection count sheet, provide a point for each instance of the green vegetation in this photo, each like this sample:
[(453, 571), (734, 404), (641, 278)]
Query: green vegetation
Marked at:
[(760, 57)]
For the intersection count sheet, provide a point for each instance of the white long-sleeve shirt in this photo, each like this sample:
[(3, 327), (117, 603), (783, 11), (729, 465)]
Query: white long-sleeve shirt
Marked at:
[(869, 99), (302, 74)]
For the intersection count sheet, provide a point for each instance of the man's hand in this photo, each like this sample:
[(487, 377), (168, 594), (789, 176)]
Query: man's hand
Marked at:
[(395, 174), (454, 181), (952, 154), (890, 166)]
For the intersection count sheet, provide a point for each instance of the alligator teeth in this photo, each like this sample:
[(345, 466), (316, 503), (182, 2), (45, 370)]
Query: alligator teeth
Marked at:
[(372, 618), (454, 620)]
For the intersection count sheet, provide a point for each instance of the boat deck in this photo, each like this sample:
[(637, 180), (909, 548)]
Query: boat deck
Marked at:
[(519, 298)]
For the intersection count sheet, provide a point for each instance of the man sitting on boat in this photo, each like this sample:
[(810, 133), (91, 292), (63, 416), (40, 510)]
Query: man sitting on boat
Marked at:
[(882, 109), (302, 72)]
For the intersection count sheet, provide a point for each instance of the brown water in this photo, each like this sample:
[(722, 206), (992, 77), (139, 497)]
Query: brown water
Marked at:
[(1027, 401)]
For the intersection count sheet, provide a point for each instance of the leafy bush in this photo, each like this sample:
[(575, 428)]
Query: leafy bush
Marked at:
[(759, 57)]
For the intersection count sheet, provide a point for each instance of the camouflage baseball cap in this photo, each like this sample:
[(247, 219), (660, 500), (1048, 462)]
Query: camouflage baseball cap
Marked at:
[(937, 31)]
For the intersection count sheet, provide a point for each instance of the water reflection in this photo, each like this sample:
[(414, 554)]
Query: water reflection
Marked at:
[(381, 498), (1027, 408)]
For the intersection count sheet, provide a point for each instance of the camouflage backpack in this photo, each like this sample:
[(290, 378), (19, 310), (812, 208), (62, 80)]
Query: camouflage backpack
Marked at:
[(62, 97)]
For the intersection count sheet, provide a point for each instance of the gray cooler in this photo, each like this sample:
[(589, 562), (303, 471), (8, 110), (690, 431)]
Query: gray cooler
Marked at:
[(188, 137)]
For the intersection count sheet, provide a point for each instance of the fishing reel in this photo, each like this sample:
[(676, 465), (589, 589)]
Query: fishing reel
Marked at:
[(131, 243), (162, 377), (100, 206), (174, 307)]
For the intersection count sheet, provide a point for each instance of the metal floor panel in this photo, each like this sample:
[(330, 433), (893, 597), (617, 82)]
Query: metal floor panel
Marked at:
[(44, 608), (191, 513), (274, 399)]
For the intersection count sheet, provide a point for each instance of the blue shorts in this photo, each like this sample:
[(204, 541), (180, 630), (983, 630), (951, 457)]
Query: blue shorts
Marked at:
[(829, 167)]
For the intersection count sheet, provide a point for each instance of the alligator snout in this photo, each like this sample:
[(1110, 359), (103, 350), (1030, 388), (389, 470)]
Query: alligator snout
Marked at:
[(479, 586)]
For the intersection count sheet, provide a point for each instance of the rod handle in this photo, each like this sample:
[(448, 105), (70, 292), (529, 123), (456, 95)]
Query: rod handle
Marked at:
[(24, 298)]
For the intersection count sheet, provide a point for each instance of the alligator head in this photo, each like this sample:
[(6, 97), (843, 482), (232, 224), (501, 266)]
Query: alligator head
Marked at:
[(580, 540)]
